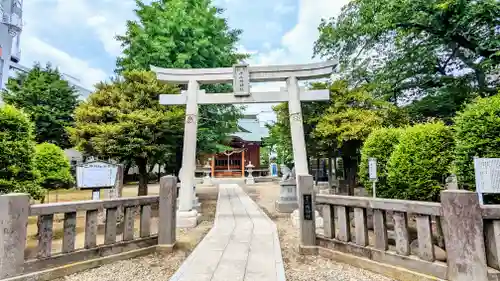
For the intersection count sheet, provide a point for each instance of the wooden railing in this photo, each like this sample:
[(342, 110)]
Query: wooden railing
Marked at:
[(456, 239), (120, 235)]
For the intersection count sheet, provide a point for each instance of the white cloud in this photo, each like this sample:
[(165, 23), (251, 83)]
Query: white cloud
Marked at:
[(296, 44), (283, 8), (38, 50), (106, 30)]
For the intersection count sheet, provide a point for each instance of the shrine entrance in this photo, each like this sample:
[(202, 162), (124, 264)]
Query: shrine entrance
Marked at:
[(241, 75), (229, 164)]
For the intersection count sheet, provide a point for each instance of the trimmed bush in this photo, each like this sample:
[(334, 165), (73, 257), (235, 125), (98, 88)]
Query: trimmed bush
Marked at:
[(420, 162), (477, 133), (53, 166), (17, 150), (380, 144)]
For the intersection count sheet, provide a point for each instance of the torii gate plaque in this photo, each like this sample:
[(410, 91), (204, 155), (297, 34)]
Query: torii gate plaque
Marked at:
[(240, 75)]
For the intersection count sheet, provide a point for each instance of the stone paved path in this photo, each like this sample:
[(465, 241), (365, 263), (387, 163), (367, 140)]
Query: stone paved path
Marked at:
[(242, 245)]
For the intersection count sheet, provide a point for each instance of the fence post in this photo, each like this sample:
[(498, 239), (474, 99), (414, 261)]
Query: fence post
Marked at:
[(307, 218), (464, 236), (14, 210), (167, 213)]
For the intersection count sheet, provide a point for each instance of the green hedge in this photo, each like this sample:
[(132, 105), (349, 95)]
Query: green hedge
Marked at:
[(380, 144), (53, 166), (421, 162), (17, 150), (477, 130)]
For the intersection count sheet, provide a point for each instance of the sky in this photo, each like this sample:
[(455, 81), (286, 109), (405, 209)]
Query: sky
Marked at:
[(78, 35)]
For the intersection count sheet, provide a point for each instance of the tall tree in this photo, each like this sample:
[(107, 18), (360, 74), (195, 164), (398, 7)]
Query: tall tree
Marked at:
[(124, 120), (48, 99), (185, 34), (416, 48)]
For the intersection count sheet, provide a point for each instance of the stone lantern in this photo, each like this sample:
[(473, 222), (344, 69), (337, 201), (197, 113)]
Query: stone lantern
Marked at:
[(207, 169), (250, 179)]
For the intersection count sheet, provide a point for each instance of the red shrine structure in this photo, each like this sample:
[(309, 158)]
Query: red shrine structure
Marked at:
[(245, 144)]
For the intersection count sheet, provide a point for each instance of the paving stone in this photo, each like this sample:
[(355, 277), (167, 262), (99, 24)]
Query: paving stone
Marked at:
[(243, 245)]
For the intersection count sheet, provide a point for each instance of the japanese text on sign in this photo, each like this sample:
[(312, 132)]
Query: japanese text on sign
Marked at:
[(241, 83), (487, 172), (96, 175), (308, 211)]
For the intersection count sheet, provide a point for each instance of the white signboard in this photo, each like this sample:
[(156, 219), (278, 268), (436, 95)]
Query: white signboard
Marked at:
[(96, 175), (487, 172), (372, 168)]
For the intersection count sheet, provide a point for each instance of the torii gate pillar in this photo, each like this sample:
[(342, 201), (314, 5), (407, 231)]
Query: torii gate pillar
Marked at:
[(240, 76)]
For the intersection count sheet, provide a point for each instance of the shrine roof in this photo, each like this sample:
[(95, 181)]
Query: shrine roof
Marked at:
[(251, 130)]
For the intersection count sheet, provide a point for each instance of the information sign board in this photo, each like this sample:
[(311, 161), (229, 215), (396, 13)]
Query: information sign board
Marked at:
[(96, 174), (487, 173), (372, 168)]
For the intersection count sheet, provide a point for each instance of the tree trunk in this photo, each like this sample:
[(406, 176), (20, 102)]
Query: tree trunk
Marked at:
[(350, 174), (178, 160), (143, 176)]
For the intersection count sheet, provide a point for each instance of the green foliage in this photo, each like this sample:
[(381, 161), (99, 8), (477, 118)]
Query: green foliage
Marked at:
[(380, 144), (53, 166), (411, 49), (48, 100), (123, 120), (186, 34), (420, 162), (17, 149), (443, 104), (353, 114), (179, 34), (477, 131)]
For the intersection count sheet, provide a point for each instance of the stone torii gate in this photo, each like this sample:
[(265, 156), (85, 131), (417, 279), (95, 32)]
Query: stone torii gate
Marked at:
[(240, 75)]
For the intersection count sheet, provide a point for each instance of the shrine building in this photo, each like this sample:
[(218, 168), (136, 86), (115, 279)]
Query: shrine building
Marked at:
[(245, 144)]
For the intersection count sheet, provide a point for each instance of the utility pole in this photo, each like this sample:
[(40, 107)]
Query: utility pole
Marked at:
[(11, 22)]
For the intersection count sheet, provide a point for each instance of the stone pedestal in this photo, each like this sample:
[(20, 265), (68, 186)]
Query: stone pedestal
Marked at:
[(187, 219), (196, 203), (287, 201), (296, 219), (207, 181)]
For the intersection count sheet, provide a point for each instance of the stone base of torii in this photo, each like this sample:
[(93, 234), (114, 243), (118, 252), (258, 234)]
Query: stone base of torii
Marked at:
[(240, 75)]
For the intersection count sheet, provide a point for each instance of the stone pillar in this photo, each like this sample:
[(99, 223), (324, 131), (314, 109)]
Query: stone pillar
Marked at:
[(14, 210), (464, 236), (167, 212), (307, 216), (187, 216), (297, 127)]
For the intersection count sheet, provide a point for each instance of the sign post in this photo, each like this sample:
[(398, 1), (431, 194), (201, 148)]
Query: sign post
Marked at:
[(372, 171), (487, 173)]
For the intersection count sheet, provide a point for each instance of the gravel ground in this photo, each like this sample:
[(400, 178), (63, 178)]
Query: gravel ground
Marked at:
[(306, 268)]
